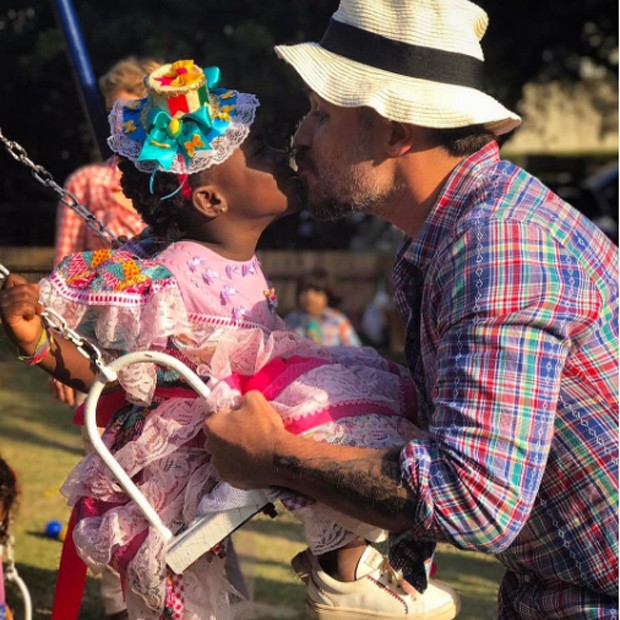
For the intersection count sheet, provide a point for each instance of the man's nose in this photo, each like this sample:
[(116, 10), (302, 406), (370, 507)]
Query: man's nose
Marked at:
[(301, 137)]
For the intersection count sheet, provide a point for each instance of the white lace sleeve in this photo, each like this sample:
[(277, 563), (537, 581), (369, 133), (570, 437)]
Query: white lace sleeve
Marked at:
[(140, 312)]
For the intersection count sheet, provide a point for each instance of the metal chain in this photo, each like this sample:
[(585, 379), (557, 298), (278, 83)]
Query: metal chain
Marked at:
[(43, 176), (56, 322), (9, 558)]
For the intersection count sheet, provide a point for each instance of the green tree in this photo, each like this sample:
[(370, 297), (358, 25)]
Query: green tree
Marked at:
[(40, 109)]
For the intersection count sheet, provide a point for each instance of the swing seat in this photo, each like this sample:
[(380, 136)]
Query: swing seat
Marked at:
[(204, 534)]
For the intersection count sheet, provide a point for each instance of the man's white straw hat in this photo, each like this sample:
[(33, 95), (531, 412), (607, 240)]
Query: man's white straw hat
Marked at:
[(413, 61)]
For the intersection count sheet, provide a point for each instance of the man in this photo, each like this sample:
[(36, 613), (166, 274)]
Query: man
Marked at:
[(510, 299)]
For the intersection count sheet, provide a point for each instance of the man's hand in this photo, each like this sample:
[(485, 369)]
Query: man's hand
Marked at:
[(20, 312), (250, 448), (242, 442)]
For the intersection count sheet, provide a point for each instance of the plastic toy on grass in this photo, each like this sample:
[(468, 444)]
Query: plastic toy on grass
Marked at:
[(55, 530)]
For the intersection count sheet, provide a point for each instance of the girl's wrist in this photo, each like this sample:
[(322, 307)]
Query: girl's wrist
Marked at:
[(34, 353)]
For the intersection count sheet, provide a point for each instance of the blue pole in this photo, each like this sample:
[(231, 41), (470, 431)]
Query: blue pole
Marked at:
[(83, 73)]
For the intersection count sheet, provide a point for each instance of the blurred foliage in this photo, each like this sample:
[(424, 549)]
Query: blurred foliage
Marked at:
[(40, 109)]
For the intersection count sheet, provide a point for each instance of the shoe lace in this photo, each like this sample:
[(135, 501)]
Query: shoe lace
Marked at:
[(394, 576)]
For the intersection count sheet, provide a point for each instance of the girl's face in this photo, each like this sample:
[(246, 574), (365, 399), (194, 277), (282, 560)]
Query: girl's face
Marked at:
[(258, 182)]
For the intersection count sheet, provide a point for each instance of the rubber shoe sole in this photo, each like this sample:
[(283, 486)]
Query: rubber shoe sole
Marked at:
[(449, 611)]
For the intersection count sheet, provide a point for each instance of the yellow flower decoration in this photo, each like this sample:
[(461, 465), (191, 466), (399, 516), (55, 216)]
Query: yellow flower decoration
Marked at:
[(135, 105), (181, 73), (174, 127), (161, 145), (227, 95), (224, 112), (193, 144), (129, 126)]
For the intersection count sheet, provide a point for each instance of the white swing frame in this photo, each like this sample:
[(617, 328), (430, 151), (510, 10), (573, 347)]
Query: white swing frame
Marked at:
[(204, 533)]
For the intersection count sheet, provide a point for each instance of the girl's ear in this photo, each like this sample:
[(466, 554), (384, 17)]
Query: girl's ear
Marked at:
[(208, 200)]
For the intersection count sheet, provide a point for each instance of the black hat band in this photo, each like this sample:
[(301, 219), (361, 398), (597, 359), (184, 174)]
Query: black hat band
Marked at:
[(413, 61)]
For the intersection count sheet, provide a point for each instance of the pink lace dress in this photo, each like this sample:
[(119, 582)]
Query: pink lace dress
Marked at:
[(219, 317)]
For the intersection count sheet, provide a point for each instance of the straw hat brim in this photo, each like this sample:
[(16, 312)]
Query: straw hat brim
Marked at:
[(351, 84)]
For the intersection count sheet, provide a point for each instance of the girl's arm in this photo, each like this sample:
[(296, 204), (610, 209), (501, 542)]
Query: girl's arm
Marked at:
[(20, 313)]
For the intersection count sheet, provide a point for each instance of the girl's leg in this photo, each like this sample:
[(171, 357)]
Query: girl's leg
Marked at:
[(341, 563)]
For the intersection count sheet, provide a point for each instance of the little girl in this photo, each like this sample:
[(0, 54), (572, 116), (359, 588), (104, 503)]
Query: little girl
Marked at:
[(207, 187)]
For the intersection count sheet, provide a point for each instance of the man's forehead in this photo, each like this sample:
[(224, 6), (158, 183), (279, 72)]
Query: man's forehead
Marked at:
[(314, 97)]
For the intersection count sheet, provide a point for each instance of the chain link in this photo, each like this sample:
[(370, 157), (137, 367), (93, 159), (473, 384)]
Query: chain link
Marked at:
[(43, 176), (56, 322), (11, 575), (9, 559)]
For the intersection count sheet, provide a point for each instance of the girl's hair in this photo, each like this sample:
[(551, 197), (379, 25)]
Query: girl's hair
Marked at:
[(318, 280), (8, 494), (127, 74), (162, 215)]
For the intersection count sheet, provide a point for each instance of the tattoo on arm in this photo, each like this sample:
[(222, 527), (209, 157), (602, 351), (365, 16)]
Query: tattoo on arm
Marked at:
[(366, 483)]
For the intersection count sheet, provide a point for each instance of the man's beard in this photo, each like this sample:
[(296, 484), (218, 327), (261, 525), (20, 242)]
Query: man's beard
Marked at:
[(333, 196)]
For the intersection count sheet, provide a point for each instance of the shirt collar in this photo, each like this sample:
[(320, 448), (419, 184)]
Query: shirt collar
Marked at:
[(449, 206)]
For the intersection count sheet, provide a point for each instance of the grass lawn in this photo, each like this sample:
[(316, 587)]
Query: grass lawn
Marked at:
[(39, 441)]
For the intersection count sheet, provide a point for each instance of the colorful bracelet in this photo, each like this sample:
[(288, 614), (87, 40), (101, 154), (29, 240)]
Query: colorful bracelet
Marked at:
[(41, 349)]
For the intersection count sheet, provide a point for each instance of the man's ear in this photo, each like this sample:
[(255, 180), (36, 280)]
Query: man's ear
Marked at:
[(402, 139), (208, 200)]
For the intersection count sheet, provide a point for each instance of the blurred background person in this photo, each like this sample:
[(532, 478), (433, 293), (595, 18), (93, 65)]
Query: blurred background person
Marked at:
[(97, 187), (317, 317)]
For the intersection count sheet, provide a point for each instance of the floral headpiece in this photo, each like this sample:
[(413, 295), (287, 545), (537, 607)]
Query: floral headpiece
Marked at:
[(185, 123)]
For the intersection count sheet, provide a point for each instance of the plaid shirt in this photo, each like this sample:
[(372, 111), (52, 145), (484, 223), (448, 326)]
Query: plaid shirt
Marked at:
[(510, 297), (94, 187)]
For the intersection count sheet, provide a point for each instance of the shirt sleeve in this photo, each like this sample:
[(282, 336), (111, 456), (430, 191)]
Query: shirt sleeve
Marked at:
[(506, 307), (70, 227)]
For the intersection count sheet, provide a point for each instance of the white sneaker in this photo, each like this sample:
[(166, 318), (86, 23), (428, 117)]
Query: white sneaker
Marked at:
[(376, 594)]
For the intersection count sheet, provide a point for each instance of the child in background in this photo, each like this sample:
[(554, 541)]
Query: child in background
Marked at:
[(8, 495), (317, 317), (97, 187), (208, 188)]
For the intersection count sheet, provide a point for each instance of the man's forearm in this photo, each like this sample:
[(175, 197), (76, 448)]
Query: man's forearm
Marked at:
[(360, 482)]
